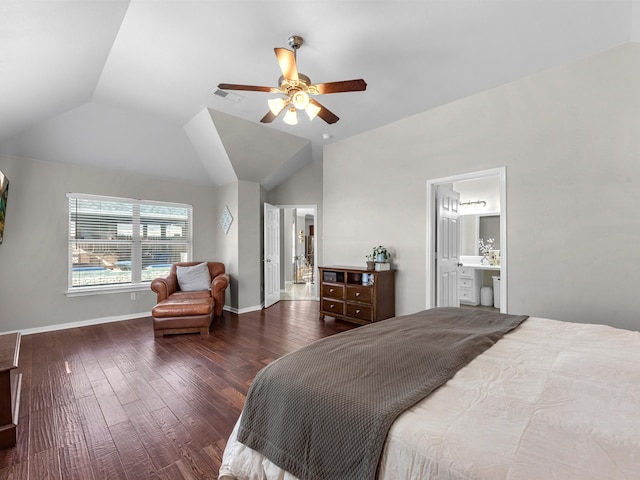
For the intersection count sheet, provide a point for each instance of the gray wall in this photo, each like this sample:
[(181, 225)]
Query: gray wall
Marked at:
[(240, 249), (304, 188), (249, 246), (569, 137), (570, 140), (33, 257), (33, 260), (227, 244)]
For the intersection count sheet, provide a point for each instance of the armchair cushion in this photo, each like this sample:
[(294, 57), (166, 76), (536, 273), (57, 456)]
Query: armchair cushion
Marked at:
[(194, 278), (183, 307)]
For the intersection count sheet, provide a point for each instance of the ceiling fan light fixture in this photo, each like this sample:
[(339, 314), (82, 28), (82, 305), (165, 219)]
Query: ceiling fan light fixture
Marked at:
[(276, 105), (296, 88), (300, 99), (312, 111), (291, 118)]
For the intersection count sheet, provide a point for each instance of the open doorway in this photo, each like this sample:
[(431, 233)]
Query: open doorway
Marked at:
[(298, 260), (481, 271)]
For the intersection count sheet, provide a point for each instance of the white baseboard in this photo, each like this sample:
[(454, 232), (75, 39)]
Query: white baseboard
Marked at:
[(83, 323), (255, 308), (119, 318)]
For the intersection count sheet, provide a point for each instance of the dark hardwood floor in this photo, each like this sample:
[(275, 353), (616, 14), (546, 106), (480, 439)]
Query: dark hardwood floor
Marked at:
[(112, 402)]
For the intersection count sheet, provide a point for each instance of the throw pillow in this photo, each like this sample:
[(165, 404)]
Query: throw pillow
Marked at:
[(195, 278)]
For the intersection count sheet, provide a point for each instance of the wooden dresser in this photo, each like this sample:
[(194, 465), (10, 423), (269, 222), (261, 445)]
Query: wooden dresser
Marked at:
[(10, 381), (344, 296)]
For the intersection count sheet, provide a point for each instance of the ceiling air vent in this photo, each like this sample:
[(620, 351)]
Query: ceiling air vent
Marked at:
[(232, 97)]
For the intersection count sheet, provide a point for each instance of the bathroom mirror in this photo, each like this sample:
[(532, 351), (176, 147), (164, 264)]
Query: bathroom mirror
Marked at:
[(476, 226)]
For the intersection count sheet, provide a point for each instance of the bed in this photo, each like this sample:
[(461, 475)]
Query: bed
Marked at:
[(548, 399)]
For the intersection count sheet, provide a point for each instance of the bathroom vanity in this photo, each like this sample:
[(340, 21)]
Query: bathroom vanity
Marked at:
[(470, 279)]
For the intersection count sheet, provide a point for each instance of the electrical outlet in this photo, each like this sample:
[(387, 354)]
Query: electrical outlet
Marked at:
[(133, 296)]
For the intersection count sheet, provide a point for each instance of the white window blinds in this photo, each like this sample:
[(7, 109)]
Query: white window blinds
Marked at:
[(123, 242)]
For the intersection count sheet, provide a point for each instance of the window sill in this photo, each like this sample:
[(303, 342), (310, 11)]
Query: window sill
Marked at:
[(107, 290)]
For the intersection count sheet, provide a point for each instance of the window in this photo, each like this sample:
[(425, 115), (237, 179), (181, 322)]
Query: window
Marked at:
[(120, 244)]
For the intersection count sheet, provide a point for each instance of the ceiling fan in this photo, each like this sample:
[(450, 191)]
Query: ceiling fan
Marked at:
[(297, 89)]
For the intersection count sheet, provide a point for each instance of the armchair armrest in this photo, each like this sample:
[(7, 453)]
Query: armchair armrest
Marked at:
[(218, 286), (164, 286)]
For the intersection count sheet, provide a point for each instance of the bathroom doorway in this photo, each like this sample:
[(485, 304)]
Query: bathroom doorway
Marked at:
[(298, 244), (491, 206)]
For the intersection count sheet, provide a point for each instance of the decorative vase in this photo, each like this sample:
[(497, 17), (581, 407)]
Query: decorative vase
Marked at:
[(381, 258), (484, 260), (371, 265)]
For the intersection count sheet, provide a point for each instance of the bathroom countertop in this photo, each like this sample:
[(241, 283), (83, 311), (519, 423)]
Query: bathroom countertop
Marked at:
[(479, 266)]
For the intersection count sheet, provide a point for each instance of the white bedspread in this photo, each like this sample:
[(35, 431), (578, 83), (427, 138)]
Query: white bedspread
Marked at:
[(549, 400)]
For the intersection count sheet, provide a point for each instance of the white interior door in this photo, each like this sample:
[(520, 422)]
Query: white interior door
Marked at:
[(448, 247), (271, 255)]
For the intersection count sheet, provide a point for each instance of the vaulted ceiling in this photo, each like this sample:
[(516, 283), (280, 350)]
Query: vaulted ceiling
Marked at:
[(130, 85)]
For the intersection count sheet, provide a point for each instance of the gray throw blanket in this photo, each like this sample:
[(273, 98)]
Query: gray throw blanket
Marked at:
[(324, 411)]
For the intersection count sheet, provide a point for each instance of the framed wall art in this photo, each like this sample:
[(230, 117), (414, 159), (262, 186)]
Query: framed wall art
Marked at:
[(4, 192)]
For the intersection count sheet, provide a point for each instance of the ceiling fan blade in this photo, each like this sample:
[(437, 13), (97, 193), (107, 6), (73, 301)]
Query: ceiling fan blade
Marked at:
[(253, 88), (287, 61), (324, 113), (269, 117), (343, 86)]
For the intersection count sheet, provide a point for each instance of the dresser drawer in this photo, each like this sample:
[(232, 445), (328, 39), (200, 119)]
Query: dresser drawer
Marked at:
[(332, 306), (359, 294), (332, 290), (363, 312)]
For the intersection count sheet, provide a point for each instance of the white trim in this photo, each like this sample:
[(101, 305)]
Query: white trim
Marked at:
[(314, 206), (431, 203), (136, 283), (102, 290), (82, 323), (255, 308), (89, 196), (119, 318)]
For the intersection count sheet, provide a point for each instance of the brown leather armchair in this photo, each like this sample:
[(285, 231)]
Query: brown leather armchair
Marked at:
[(184, 312)]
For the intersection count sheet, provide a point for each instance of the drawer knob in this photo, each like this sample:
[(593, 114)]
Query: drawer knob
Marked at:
[(357, 294), (331, 290), (357, 311), (331, 306)]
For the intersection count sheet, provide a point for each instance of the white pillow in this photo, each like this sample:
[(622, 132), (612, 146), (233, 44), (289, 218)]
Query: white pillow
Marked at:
[(195, 278)]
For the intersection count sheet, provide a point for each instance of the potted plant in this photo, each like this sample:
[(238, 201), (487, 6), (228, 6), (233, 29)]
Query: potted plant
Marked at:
[(370, 262), (381, 254)]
